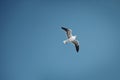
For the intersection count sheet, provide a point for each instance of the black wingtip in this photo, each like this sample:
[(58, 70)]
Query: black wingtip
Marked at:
[(77, 49), (66, 29), (63, 28)]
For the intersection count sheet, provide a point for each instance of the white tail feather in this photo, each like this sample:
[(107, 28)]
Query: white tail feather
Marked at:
[(65, 41)]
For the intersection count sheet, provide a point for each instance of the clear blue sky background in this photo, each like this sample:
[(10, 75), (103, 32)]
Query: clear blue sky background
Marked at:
[(31, 40)]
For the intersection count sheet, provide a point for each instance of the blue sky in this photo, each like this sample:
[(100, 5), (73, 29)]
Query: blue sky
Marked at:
[(31, 44)]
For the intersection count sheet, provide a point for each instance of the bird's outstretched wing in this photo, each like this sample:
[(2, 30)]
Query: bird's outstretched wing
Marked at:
[(76, 43), (68, 31)]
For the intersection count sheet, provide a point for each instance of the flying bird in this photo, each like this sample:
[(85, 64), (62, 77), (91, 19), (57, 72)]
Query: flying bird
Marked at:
[(71, 38)]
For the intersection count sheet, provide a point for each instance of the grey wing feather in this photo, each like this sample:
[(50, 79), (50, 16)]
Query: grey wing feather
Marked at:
[(68, 31), (76, 43)]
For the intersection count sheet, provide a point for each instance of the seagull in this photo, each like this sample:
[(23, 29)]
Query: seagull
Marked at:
[(71, 38)]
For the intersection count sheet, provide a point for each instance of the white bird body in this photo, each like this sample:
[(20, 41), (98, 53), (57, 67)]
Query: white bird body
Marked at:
[(71, 38)]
